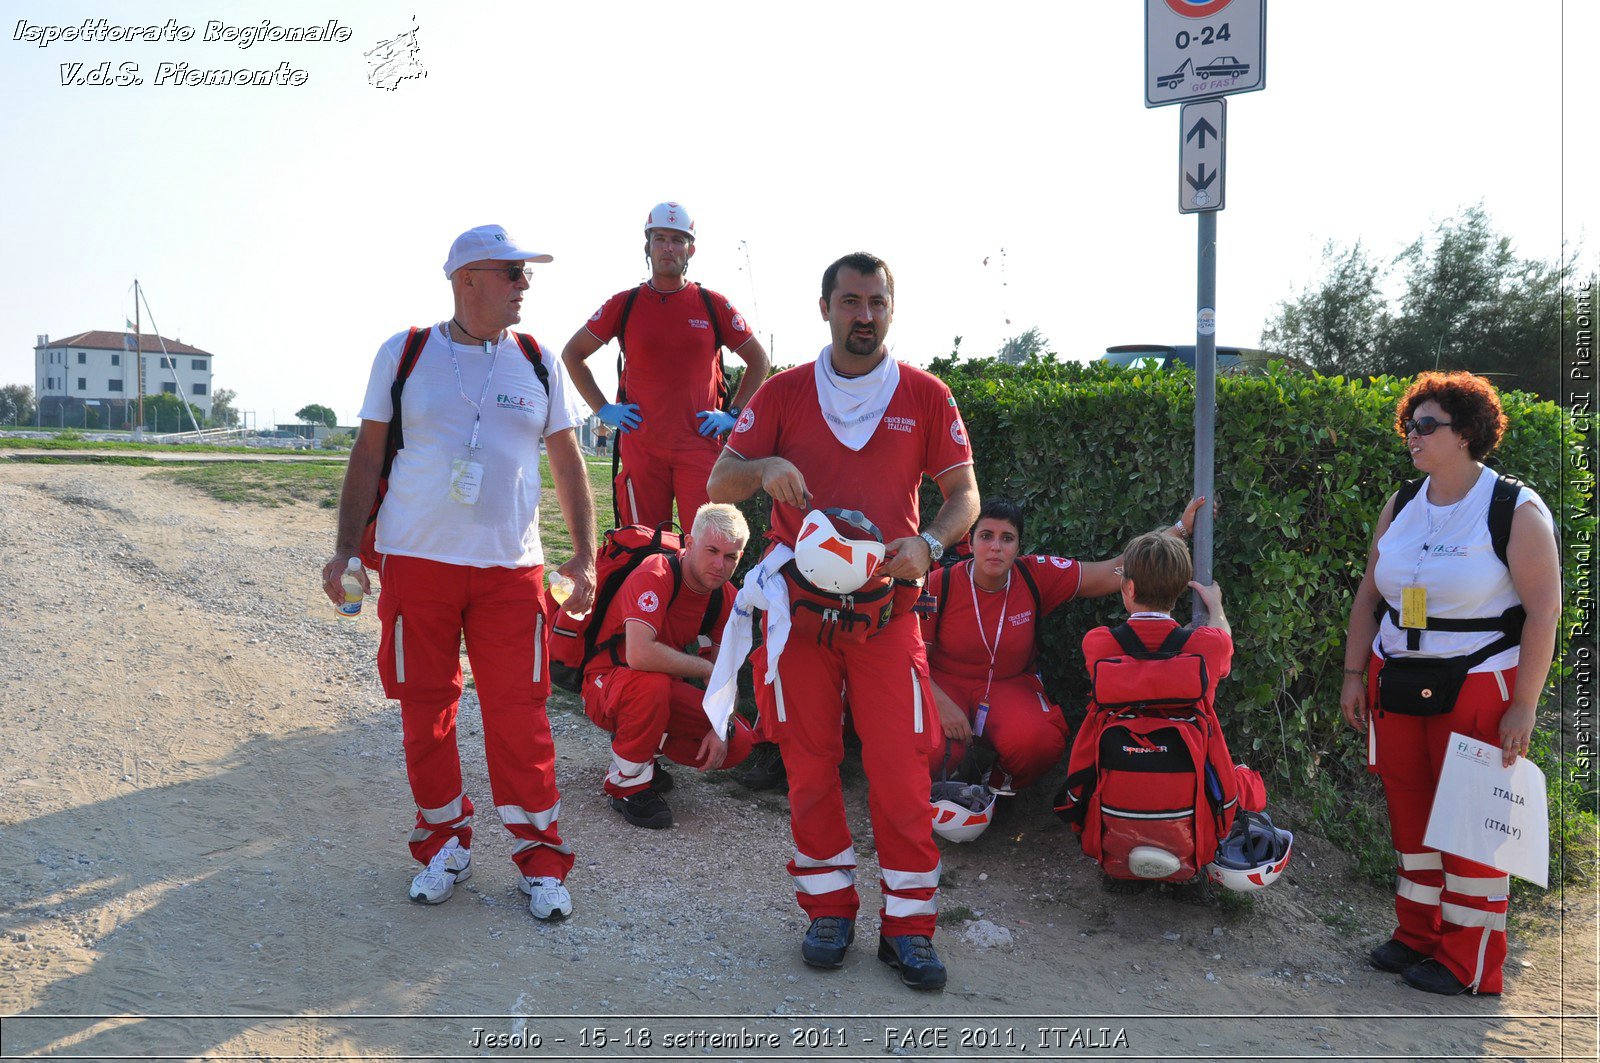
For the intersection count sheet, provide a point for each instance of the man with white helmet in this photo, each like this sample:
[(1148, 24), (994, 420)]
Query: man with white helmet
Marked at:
[(456, 527), (842, 448), (671, 403)]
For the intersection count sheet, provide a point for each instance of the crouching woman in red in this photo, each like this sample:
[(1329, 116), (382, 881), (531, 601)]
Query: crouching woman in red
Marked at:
[(982, 635), (1461, 595)]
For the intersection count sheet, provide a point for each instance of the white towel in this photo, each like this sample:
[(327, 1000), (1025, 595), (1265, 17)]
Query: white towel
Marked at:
[(853, 405), (764, 588)]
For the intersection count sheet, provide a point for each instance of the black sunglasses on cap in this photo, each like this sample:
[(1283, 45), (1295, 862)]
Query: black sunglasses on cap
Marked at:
[(1424, 426)]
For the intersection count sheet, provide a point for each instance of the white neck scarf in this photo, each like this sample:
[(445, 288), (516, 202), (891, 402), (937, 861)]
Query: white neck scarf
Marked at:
[(853, 405)]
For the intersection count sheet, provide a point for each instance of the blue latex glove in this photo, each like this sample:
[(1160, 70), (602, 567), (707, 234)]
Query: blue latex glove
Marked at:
[(623, 416), (715, 422)]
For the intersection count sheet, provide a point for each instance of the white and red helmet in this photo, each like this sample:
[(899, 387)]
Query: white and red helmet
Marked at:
[(670, 215), (1253, 855), (838, 550), (961, 811)]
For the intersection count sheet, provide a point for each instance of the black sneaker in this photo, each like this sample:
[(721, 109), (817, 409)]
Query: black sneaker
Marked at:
[(1431, 976), (763, 769), (913, 956), (644, 809), (825, 941), (1394, 956), (660, 781)]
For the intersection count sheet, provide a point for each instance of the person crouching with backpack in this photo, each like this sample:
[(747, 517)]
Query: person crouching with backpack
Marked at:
[(647, 702), (1452, 629), (980, 620), (1120, 809)]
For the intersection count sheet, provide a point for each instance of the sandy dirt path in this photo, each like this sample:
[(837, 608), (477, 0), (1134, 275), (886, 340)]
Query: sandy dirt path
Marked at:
[(203, 808)]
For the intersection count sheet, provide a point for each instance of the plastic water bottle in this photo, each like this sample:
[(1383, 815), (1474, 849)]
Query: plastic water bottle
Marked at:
[(351, 581), (560, 587)]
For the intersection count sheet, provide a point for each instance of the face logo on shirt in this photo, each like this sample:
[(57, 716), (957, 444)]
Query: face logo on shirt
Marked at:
[(514, 402), (649, 602), (738, 323), (747, 418), (958, 432), (1061, 562)]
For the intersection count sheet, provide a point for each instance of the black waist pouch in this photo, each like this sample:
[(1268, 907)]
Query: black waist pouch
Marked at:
[(1421, 686)]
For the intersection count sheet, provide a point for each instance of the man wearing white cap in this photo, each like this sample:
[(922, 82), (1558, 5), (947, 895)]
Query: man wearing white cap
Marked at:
[(447, 483), (672, 402)]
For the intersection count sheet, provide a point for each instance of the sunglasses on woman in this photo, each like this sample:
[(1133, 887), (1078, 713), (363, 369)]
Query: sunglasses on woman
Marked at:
[(1424, 426)]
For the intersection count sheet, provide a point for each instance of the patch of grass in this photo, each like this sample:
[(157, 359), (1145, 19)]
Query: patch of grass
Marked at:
[(96, 459), (269, 484), (69, 439), (955, 914)]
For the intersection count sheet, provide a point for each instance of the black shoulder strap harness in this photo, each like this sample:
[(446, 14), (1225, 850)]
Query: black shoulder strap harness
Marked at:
[(1021, 568), (723, 396), (615, 647), (1134, 646), (416, 340), (1502, 508)]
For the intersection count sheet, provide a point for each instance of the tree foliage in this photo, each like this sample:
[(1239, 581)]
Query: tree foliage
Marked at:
[(1019, 349), (223, 413), (316, 413), (165, 413), (16, 404), (1466, 301)]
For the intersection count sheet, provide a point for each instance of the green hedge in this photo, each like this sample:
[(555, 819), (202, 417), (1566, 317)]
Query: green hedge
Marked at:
[(1303, 466)]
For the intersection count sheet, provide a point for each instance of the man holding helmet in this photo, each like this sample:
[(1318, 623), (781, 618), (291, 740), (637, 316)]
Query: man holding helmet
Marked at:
[(671, 394), (842, 447)]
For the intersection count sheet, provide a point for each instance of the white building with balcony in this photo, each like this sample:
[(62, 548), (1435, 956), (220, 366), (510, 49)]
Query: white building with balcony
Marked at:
[(99, 371)]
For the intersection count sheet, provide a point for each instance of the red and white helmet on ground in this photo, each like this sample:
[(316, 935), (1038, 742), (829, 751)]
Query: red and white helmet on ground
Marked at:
[(838, 550), (1253, 855), (670, 215), (961, 811)]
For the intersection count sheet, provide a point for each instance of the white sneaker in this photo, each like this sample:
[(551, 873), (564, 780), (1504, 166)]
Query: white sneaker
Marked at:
[(435, 883), (548, 899)]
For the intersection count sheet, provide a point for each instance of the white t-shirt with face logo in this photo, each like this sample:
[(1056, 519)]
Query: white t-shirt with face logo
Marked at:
[(1462, 575), (418, 518)]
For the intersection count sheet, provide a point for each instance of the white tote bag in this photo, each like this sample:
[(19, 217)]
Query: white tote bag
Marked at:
[(1490, 814)]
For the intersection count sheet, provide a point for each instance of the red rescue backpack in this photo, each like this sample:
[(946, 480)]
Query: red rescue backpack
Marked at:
[(1149, 766), (417, 339), (573, 639)]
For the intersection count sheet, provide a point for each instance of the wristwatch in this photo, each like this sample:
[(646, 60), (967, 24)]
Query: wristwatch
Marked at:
[(935, 547)]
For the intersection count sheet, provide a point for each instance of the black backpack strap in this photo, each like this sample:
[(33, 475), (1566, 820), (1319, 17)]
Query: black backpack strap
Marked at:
[(1175, 640), (1406, 493), (535, 357), (1502, 507), (724, 394), (622, 394), (713, 611), (944, 595), (416, 339), (1129, 641)]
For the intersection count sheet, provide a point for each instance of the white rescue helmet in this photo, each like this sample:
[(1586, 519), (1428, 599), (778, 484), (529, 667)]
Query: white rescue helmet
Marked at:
[(961, 811), (1253, 855), (838, 550), (670, 215)]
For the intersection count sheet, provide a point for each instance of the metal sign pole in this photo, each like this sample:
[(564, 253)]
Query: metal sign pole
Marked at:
[(1205, 398)]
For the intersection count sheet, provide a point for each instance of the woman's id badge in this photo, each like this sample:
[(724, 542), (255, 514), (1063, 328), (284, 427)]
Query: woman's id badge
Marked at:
[(1414, 607), (466, 479)]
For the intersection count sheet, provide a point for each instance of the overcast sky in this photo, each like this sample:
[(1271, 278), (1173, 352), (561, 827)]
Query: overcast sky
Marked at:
[(998, 155)]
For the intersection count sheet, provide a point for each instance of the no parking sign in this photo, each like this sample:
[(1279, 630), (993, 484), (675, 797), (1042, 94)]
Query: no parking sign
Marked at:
[(1203, 49)]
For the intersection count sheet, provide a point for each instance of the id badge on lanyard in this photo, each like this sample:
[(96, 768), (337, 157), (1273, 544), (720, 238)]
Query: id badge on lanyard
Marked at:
[(466, 472), (1414, 607)]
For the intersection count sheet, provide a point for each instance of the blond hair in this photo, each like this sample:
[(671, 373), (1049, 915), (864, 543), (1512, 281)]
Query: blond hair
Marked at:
[(723, 519), (1160, 568)]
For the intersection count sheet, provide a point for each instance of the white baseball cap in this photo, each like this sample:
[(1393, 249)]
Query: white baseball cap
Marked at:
[(492, 243)]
